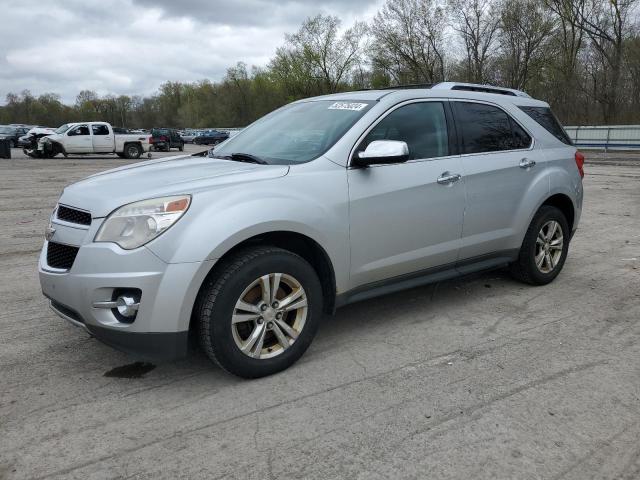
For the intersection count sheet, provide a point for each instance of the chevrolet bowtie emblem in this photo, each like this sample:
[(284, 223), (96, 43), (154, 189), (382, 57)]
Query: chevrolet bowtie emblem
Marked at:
[(48, 233)]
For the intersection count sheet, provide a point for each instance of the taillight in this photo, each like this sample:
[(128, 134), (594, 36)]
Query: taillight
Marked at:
[(580, 163), (150, 139)]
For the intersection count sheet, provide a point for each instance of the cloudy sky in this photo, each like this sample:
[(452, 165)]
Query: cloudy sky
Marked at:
[(132, 46)]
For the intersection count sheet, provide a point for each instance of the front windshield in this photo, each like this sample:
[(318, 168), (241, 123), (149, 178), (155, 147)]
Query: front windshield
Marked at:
[(296, 133), (63, 128)]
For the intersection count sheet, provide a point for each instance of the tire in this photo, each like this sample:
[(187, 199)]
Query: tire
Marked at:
[(219, 298), (181, 147), (132, 151), (12, 144), (536, 244)]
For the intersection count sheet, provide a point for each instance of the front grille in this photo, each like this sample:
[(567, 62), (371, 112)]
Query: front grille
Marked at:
[(61, 256), (74, 216)]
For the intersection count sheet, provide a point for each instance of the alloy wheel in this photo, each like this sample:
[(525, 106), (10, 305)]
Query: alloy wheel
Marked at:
[(549, 245), (269, 315)]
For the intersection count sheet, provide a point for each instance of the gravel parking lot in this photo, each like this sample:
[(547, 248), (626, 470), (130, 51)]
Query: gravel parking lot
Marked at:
[(476, 378)]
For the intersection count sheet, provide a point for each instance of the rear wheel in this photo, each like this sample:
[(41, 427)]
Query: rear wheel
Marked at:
[(259, 314), (181, 147), (12, 144), (132, 151), (544, 249)]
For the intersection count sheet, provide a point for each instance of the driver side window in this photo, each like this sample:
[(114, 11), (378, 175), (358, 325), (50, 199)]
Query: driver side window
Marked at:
[(79, 130), (422, 125)]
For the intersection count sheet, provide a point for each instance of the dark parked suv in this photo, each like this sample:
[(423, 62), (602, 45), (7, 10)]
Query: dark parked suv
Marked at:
[(166, 138), (12, 134)]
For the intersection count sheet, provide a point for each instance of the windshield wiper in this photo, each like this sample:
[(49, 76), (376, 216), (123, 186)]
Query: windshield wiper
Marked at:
[(247, 157), (241, 157)]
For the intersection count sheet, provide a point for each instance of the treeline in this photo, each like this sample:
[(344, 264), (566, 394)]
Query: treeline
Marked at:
[(582, 56)]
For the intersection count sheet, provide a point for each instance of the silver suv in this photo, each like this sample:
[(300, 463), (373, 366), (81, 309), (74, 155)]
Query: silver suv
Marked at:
[(324, 202)]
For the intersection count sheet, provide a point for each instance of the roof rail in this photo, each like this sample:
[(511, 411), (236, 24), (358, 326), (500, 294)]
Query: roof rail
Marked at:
[(474, 87), (408, 86)]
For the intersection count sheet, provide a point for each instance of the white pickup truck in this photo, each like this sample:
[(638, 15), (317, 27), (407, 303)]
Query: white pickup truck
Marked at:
[(92, 137)]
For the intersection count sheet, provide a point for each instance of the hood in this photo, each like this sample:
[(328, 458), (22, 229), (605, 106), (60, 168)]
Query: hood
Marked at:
[(40, 131), (104, 192)]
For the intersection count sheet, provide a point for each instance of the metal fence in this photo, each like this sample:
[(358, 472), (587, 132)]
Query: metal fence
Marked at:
[(609, 137)]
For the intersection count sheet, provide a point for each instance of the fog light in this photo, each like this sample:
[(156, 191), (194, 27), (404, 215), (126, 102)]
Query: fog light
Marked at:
[(124, 304), (127, 306)]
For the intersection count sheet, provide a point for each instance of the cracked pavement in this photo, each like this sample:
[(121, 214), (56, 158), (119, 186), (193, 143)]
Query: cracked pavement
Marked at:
[(481, 377)]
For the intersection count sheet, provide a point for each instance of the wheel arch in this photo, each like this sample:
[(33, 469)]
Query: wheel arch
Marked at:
[(133, 142), (563, 203), (57, 147), (295, 242)]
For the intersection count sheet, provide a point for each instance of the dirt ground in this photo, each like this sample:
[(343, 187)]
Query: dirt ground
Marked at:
[(476, 378)]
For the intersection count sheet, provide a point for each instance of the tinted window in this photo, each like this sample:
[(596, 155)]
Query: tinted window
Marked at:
[(79, 130), (100, 129), (545, 117), (423, 126), (521, 139), (485, 128)]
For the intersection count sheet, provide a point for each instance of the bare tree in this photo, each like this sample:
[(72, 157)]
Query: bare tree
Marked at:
[(322, 53), (571, 33), (606, 23), (477, 24), (525, 27), (409, 41)]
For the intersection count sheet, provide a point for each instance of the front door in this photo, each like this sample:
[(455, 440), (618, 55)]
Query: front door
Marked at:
[(103, 141), (79, 140), (407, 217)]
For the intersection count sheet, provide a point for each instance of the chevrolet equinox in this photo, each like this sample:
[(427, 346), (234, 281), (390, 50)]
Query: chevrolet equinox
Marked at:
[(323, 202)]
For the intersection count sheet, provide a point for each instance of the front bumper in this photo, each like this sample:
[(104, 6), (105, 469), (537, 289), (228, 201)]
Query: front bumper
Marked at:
[(160, 328)]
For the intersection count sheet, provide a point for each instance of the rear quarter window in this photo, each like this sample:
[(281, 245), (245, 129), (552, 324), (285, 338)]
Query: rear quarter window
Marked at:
[(486, 128), (545, 117)]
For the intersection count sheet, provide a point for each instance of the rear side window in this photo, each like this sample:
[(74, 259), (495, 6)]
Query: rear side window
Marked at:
[(545, 117), (485, 128), (100, 129), (423, 126)]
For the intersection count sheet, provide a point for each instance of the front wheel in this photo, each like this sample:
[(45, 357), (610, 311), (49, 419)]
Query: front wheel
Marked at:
[(181, 147), (260, 312), (544, 249)]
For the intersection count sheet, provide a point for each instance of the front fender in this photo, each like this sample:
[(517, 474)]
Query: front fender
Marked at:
[(221, 219)]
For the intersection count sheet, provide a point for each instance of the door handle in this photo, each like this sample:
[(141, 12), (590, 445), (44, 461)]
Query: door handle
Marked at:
[(446, 178), (526, 163)]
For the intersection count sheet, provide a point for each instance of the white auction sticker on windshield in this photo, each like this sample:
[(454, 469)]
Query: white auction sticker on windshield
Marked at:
[(356, 107)]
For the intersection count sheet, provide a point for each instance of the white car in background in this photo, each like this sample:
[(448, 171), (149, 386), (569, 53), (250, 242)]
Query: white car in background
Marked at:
[(188, 135), (93, 137)]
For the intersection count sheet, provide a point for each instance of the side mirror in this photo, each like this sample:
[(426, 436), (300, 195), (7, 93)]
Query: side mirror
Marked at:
[(380, 152)]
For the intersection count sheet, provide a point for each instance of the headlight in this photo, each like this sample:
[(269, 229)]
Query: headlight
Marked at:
[(135, 224)]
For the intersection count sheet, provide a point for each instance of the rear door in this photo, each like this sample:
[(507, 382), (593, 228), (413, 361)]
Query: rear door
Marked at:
[(79, 140), (103, 139), (403, 220), (499, 165)]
